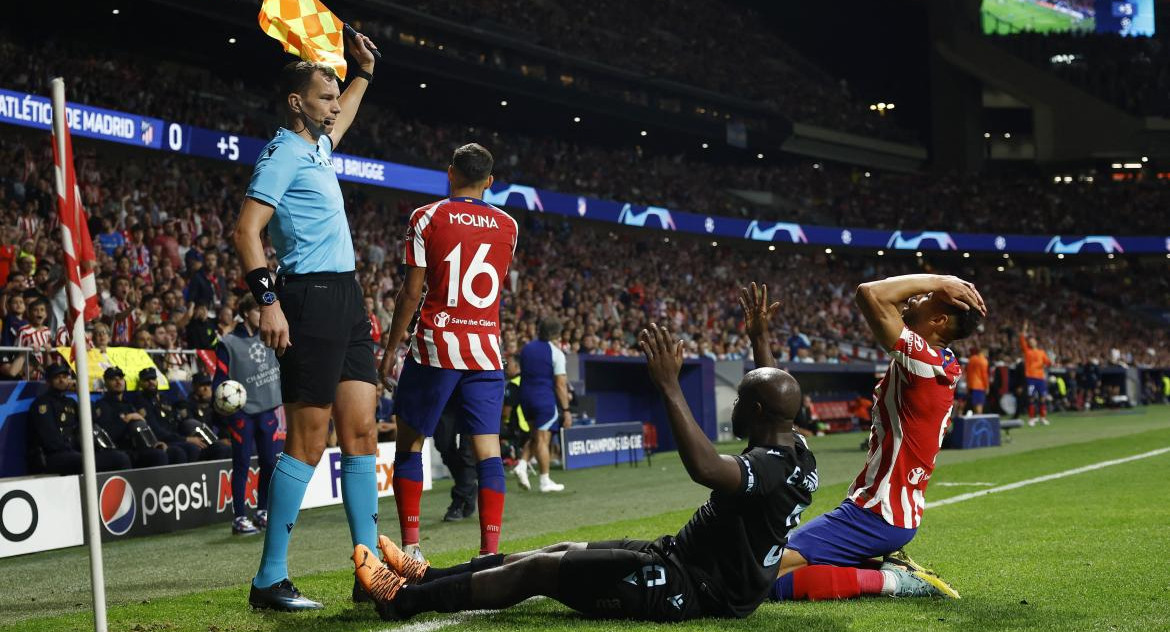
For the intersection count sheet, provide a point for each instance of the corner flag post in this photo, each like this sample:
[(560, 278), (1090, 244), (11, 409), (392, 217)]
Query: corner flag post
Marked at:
[(70, 209)]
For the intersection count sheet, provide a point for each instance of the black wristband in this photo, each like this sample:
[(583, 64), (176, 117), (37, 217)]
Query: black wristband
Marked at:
[(263, 286), (358, 72)]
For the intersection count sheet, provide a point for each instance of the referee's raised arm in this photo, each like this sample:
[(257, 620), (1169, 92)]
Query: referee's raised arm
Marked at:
[(360, 47), (254, 216)]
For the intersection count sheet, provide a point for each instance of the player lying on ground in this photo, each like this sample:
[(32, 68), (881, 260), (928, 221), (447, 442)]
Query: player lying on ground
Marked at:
[(719, 565), (914, 317)]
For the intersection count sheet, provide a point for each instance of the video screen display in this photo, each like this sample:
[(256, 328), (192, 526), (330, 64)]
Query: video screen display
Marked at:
[(1118, 17)]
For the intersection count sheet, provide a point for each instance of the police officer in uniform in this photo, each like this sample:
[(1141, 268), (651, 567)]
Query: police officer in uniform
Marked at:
[(197, 407), (121, 420), (57, 429), (167, 422)]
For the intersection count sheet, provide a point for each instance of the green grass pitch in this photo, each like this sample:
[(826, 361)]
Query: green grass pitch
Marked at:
[(1002, 17), (1082, 552)]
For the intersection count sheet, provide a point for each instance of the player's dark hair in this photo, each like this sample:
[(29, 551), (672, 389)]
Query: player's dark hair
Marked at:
[(549, 328), (964, 322), (296, 75), (473, 162)]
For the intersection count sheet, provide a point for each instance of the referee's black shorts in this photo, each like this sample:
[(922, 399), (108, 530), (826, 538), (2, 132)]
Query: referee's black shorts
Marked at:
[(628, 579), (329, 332)]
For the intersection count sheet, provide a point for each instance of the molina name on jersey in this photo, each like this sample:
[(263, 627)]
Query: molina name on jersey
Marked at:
[(466, 246), (911, 410)]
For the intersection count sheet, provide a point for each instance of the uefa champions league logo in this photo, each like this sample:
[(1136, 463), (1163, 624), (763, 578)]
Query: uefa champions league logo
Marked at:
[(630, 217), (528, 194), (1106, 243), (792, 232), (256, 352), (941, 240)]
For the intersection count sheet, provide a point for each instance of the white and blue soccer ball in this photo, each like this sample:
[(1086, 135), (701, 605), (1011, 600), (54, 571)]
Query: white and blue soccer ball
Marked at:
[(229, 397)]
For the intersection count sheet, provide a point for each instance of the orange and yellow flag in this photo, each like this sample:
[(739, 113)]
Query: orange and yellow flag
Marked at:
[(307, 29)]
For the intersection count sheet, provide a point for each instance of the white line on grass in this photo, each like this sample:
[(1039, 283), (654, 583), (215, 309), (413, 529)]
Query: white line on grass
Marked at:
[(437, 624), (950, 484), (1040, 479)]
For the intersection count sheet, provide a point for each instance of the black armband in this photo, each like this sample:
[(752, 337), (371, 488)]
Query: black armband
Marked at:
[(263, 286), (358, 72)]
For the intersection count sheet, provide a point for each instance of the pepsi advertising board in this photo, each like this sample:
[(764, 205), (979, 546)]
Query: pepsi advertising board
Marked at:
[(35, 111), (601, 444), (164, 499)]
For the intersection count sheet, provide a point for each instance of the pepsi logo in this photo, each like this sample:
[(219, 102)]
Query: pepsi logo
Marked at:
[(118, 508)]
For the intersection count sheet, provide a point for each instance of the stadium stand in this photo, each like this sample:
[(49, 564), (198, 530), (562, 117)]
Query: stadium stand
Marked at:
[(1129, 72)]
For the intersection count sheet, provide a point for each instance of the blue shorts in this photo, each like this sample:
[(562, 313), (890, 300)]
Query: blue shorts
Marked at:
[(978, 397), (542, 418), (847, 536), (423, 392), (1037, 387)]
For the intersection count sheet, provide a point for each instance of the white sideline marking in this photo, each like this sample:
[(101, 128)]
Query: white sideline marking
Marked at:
[(437, 624), (948, 484), (1040, 479)]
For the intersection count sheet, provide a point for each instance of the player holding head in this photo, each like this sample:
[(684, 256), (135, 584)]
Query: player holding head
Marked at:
[(719, 565), (1036, 363), (460, 249), (312, 313), (978, 379), (915, 318)]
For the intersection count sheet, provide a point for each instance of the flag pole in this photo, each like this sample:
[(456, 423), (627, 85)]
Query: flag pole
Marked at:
[(81, 360)]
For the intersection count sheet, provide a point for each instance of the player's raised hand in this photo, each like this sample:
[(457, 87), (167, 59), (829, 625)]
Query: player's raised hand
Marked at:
[(362, 49), (663, 355), (274, 329), (757, 313), (961, 293)]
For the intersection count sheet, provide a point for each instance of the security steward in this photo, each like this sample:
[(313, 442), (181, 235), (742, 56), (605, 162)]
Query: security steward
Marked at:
[(168, 424), (57, 429), (128, 429), (198, 409)]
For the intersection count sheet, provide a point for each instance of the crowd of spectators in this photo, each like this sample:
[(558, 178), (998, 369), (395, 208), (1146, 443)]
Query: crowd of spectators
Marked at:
[(170, 280), (807, 192), (1130, 72)]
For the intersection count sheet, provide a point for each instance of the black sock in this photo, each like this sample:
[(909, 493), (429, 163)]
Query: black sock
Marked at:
[(449, 594), (483, 563)]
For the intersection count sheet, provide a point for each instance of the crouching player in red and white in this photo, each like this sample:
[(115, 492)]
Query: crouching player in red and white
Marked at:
[(719, 565), (460, 249), (856, 549), (243, 357)]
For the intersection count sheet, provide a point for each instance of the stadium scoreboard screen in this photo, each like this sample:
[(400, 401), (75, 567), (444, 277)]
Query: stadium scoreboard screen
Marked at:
[(1116, 17)]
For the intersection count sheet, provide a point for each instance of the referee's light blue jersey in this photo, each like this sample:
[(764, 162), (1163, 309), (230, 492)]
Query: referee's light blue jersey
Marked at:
[(309, 229)]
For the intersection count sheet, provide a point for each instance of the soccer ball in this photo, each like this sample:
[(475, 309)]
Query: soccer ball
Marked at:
[(229, 397)]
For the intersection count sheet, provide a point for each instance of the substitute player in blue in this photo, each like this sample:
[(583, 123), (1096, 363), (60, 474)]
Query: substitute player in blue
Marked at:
[(242, 357), (312, 314), (544, 399)]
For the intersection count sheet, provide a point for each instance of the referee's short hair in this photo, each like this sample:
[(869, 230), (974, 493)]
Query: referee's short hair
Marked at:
[(473, 162), (296, 75)]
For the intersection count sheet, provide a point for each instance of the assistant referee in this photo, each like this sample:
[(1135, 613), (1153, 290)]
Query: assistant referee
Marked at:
[(312, 312)]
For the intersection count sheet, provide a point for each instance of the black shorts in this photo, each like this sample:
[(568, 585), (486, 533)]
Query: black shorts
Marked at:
[(628, 579), (330, 335)]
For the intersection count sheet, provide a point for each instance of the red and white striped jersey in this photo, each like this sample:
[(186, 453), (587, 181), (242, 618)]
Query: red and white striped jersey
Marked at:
[(466, 245), (35, 337), (912, 408)]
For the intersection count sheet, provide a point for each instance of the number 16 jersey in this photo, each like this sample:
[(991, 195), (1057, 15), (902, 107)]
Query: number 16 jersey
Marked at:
[(466, 246)]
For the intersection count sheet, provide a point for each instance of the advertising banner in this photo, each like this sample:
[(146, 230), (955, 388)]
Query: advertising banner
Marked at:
[(165, 499), (39, 514), (31, 110), (601, 444)]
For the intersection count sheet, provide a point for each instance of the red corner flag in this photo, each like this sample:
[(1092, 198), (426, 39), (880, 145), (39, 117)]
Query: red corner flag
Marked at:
[(79, 258)]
